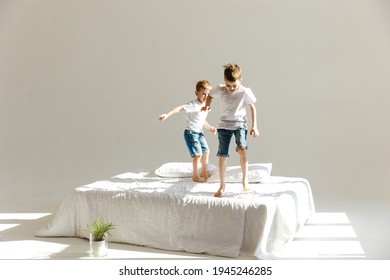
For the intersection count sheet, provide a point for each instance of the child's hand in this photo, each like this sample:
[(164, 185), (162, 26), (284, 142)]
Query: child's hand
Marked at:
[(206, 108), (254, 132), (163, 117), (213, 130)]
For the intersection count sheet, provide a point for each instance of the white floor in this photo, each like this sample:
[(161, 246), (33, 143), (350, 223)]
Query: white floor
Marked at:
[(343, 229)]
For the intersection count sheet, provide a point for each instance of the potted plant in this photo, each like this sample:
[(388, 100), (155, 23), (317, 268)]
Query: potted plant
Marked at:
[(99, 233)]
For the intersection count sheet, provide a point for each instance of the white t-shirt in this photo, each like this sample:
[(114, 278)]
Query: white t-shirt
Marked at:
[(195, 116), (233, 106)]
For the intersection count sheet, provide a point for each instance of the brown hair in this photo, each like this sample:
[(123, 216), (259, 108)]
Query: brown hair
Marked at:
[(232, 72), (202, 84)]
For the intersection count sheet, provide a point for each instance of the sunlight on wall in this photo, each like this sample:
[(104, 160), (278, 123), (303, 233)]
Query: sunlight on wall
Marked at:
[(325, 236), (7, 226), (22, 216), (17, 216)]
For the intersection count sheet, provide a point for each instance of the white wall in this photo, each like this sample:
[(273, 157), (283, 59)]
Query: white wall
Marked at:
[(82, 84)]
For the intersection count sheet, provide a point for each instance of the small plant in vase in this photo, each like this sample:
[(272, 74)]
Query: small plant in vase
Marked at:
[(99, 232)]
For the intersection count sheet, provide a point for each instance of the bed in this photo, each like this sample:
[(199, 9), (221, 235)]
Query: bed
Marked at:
[(165, 209)]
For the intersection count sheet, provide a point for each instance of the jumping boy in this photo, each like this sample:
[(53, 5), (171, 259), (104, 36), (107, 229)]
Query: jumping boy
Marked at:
[(193, 133), (233, 121)]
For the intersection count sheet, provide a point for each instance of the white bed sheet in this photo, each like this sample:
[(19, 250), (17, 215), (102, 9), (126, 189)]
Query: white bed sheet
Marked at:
[(181, 215)]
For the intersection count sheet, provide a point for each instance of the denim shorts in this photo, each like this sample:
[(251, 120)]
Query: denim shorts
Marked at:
[(196, 143), (224, 137)]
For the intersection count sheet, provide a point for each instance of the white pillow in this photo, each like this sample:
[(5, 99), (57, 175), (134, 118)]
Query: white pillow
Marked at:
[(257, 172), (181, 170)]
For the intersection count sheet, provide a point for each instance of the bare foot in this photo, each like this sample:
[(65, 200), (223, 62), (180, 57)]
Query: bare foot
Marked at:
[(205, 177), (245, 187), (198, 179), (219, 193)]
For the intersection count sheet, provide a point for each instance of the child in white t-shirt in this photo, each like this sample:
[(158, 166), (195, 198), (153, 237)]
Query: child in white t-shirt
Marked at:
[(193, 133), (233, 121)]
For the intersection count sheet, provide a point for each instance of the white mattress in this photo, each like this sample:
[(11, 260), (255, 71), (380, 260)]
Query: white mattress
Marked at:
[(181, 215)]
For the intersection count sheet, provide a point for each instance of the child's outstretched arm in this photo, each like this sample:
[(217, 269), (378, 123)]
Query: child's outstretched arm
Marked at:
[(254, 131), (171, 112)]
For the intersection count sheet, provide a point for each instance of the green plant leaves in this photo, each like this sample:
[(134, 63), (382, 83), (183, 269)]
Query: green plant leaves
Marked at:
[(100, 228)]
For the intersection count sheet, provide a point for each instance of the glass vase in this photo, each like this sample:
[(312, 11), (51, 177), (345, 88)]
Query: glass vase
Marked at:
[(98, 248)]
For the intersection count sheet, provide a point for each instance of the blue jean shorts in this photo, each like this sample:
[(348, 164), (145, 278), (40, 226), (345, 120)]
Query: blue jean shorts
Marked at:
[(196, 143), (224, 137)]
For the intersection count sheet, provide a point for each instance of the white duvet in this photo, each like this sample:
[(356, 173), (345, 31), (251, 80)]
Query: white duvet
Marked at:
[(179, 214)]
